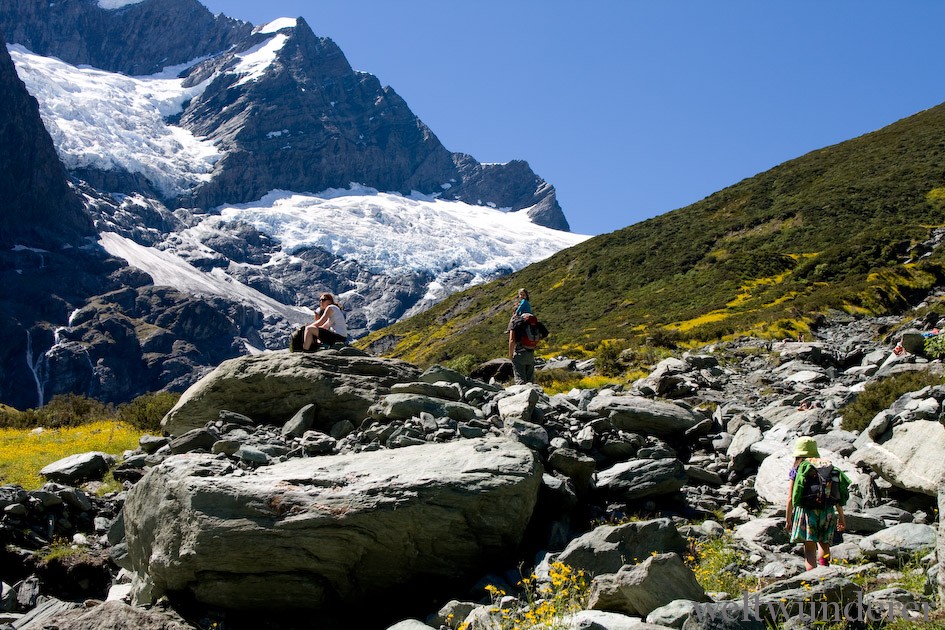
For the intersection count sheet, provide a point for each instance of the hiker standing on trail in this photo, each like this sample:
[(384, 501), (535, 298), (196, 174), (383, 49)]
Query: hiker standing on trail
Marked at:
[(523, 357), (329, 327), (525, 331), (815, 502)]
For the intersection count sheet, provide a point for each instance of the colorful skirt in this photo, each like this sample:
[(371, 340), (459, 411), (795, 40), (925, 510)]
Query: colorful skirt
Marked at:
[(811, 524)]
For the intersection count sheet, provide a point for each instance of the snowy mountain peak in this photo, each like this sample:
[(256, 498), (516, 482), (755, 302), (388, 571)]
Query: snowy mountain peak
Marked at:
[(253, 63), (277, 25), (111, 5)]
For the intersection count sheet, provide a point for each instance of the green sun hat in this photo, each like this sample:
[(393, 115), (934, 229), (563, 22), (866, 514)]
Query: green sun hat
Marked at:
[(806, 446)]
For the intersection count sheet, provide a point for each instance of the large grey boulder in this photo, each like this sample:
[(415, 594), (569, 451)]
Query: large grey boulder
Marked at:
[(941, 544), (643, 415), (77, 468), (820, 590), (908, 454), (519, 406), (762, 533), (409, 624), (114, 615), (271, 387), (442, 389), (739, 451), (641, 478), (45, 612), (674, 614), (532, 435), (324, 532), (602, 620), (607, 548), (573, 464), (641, 589), (899, 541), (406, 406)]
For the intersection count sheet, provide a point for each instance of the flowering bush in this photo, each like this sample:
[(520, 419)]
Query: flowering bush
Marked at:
[(716, 563), (541, 604)]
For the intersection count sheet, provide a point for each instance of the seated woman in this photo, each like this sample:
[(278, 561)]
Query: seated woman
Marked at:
[(328, 328), (524, 306)]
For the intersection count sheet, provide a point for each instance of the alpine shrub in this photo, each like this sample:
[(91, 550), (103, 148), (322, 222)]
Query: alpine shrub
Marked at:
[(70, 410), (464, 364), (935, 347), (607, 362), (146, 411), (879, 395)]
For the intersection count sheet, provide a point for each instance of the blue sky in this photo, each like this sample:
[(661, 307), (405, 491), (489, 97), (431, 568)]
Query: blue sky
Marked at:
[(632, 109)]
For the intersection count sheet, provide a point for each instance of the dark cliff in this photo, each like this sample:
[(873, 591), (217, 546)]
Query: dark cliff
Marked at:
[(137, 39), (37, 206)]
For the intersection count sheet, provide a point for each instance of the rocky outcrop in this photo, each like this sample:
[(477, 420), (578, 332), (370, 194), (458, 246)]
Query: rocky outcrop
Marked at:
[(75, 469), (272, 387), (607, 548), (43, 274), (645, 415), (512, 185), (642, 478), (121, 343), (110, 615), (642, 588), (316, 532)]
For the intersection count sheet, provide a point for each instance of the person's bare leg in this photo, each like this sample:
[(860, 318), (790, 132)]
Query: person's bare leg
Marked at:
[(311, 338), (810, 554), (823, 554)]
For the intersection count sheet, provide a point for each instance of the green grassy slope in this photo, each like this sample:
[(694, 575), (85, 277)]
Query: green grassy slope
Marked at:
[(831, 229)]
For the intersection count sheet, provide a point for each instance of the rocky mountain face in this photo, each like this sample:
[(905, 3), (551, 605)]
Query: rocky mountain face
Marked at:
[(137, 39), (73, 318), (37, 205), (324, 481), (273, 108)]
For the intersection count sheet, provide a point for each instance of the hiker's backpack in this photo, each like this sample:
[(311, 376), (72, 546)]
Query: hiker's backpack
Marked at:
[(297, 340), (529, 331), (821, 486)]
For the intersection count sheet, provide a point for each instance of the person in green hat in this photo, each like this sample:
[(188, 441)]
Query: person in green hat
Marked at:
[(815, 502)]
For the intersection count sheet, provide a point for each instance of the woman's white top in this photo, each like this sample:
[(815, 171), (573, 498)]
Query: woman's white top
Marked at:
[(336, 321)]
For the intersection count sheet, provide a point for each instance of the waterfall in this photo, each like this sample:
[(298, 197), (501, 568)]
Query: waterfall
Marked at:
[(35, 367)]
